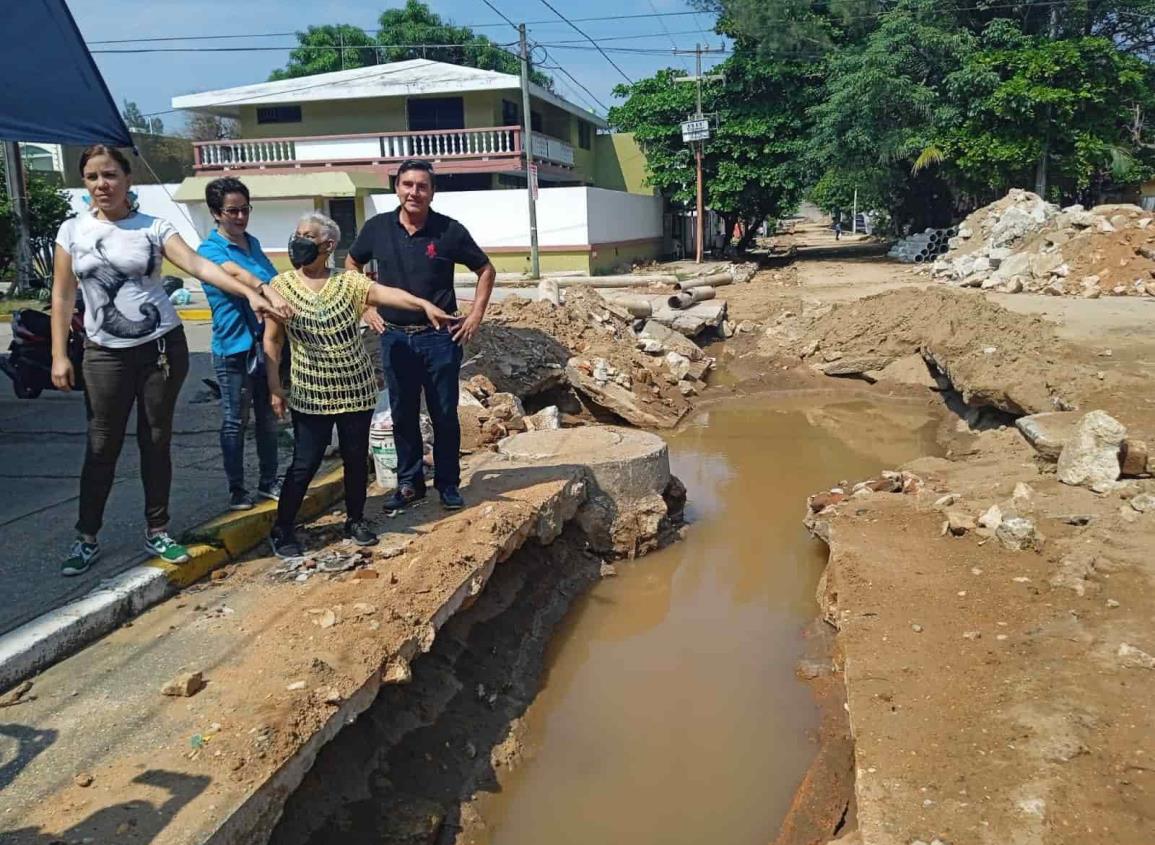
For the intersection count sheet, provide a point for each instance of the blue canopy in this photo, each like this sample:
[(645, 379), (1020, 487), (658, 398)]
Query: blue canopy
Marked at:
[(52, 91)]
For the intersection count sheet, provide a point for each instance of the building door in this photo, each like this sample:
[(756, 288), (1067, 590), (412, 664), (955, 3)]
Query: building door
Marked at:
[(430, 113), (344, 214)]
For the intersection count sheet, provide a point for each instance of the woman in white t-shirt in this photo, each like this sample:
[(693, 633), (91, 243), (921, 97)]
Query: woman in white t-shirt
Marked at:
[(135, 351)]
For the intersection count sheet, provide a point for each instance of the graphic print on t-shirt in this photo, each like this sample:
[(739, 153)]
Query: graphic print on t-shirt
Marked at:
[(129, 263)]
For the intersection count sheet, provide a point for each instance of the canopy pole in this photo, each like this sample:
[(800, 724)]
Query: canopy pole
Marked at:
[(17, 187)]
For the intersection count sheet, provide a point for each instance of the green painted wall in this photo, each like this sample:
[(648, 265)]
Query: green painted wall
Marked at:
[(613, 259), (621, 164)]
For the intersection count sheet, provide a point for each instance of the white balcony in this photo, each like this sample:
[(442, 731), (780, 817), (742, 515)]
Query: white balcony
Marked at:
[(499, 146)]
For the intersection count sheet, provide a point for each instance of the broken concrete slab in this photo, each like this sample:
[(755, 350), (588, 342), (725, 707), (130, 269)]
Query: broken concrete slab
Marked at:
[(857, 365), (694, 320), (1048, 432), (630, 406), (671, 341)]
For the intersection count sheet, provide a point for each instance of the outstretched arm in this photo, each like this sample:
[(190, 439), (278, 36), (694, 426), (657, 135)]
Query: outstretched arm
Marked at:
[(183, 256), (381, 295)]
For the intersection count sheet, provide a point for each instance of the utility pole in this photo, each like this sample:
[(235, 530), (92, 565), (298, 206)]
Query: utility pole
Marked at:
[(697, 136), (17, 188), (530, 169), (1041, 166)]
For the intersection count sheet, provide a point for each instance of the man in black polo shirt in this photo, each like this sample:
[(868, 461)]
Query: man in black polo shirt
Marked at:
[(416, 249)]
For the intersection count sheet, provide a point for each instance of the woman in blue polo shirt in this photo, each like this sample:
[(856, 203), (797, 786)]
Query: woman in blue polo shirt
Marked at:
[(236, 346)]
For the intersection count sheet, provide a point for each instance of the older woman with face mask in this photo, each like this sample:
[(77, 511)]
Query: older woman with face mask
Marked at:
[(331, 375)]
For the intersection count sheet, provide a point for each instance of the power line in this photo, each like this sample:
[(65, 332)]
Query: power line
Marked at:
[(666, 29), (550, 22), (573, 79), (338, 47), (581, 32), (499, 13)]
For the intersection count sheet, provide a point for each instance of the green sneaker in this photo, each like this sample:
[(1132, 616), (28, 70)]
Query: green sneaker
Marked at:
[(166, 548), (80, 558)]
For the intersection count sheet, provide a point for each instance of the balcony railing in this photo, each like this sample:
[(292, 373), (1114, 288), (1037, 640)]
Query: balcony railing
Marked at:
[(491, 143)]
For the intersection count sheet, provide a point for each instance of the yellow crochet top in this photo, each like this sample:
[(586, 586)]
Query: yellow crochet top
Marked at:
[(330, 370)]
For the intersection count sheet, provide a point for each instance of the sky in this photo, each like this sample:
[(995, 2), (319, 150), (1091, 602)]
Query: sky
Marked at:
[(153, 79)]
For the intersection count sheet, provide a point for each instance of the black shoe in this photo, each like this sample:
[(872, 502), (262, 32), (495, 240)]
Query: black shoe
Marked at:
[(359, 532), (285, 544), (240, 500), (451, 499), (401, 498)]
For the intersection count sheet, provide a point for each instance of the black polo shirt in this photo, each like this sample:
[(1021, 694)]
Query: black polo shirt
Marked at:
[(421, 263)]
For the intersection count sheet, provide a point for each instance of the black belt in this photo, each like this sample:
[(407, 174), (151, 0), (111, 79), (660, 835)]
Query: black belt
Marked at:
[(409, 329)]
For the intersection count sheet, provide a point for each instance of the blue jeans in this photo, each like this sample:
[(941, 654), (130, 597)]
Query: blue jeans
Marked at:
[(428, 360), (239, 393)]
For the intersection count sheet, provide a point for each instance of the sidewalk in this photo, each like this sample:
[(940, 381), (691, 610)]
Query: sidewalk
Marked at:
[(41, 451)]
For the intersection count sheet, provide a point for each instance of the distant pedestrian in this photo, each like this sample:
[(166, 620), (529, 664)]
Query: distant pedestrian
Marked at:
[(331, 380), (238, 355), (135, 353), (837, 228), (416, 249)]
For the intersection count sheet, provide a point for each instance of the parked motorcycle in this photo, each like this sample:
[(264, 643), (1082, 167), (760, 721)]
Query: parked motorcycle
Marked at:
[(29, 359)]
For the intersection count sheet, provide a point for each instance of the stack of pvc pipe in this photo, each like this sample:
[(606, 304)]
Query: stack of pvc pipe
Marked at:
[(923, 246)]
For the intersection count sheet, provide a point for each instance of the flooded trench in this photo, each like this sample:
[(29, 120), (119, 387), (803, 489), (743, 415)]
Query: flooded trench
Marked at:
[(658, 706)]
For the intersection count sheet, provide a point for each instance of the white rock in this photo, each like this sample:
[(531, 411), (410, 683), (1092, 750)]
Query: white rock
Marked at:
[(992, 519), (1091, 457), (679, 364), (1143, 503), (1135, 658), (1018, 533), (547, 419)]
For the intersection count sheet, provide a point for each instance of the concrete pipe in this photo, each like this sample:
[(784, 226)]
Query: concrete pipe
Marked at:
[(686, 298), (636, 306), (716, 280), (920, 258)]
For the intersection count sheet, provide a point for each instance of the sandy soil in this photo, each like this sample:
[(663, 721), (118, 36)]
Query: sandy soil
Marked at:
[(993, 696)]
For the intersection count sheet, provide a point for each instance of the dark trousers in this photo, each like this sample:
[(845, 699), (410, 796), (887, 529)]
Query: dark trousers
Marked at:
[(429, 361), (115, 380), (311, 436), (240, 392)]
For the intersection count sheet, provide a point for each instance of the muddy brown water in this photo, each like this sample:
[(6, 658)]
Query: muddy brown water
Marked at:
[(661, 705), (670, 712)]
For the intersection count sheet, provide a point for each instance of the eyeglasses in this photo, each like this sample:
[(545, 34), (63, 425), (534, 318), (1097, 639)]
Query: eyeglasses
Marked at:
[(242, 211)]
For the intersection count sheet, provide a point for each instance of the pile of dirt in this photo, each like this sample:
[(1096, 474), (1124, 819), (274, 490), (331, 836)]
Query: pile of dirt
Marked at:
[(530, 347), (992, 356), (1022, 243)]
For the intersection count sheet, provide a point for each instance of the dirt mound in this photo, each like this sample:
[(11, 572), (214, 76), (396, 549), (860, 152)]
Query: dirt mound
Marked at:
[(992, 356), (530, 347), (1021, 243)]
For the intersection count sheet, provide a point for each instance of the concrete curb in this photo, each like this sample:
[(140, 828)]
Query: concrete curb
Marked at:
[(195, 315), (57, 634)]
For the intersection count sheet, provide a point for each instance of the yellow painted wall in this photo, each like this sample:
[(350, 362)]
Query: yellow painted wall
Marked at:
[(613, 258), (621, 164), (353, 117), (550, 262)]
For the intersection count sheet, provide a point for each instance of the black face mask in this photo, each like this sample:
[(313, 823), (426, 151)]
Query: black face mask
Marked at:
[(302, 251)]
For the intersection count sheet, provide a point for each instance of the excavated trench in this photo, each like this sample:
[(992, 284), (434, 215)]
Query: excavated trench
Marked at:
[(659, 705)]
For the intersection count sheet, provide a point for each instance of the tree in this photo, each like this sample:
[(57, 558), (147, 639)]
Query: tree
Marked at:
[(210, 127), (411, 32), (1078, 104), (48, 207), (753, 164), (137, 122)]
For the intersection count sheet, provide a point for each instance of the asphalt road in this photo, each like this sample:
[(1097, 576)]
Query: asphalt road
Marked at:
[(41, 450)]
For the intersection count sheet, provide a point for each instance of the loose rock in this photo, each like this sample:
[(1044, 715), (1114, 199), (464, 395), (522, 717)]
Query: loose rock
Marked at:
[(184, 686), (1091, 457)]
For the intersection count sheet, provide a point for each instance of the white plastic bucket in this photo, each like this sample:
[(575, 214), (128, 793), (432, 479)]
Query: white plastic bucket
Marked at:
[(384, 457)]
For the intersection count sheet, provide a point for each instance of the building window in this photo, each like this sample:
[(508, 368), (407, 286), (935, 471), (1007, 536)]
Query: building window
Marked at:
[(535, 121), (585, 135), (510, 113), (279, 114), (432, 113)]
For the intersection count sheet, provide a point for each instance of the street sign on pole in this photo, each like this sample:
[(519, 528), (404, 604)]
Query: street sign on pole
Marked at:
[(697, 129), (533, 181)]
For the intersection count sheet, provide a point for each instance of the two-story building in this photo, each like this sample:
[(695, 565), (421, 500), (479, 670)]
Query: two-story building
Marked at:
[(332, 142)]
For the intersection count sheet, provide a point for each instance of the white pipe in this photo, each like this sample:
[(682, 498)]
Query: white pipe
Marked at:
[(715, 280)]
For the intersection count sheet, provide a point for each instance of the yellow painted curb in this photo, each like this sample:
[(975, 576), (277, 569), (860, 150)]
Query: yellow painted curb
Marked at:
[(5, 318), (195, 315), (223, 539)]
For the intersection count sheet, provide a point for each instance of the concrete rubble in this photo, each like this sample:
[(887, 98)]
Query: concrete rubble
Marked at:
[(1022, 244), (587, 346)]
